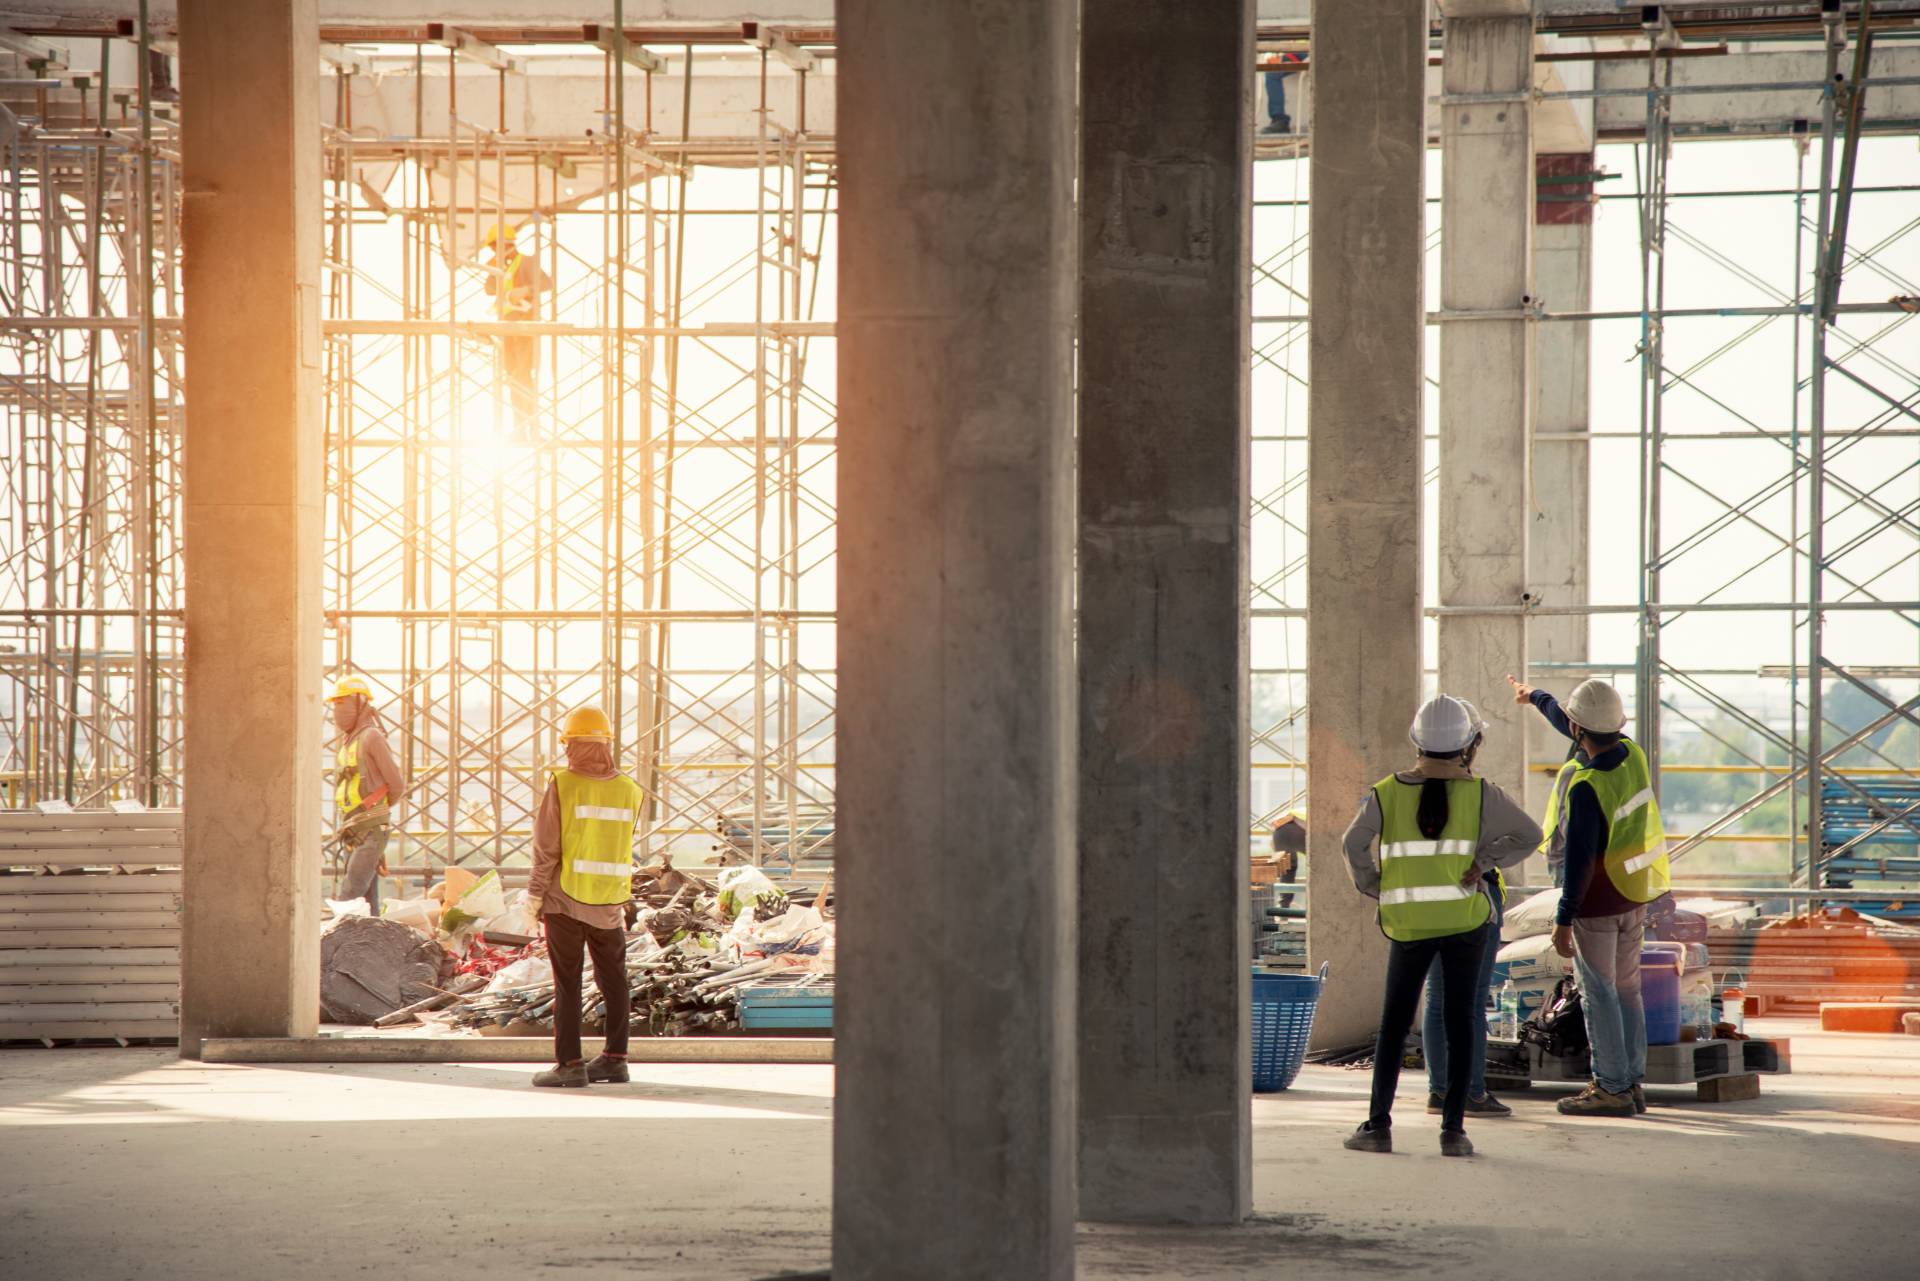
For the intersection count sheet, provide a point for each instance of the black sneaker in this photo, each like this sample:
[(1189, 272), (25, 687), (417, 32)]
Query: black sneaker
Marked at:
[(1639, 1101), (1436, 1104), (1367, 1139), (1275, 128), (1487, 1105), (1455, 1143)]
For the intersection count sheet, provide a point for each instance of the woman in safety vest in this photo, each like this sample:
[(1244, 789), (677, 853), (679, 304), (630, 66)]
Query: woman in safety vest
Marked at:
[(582, 879), (1439, 831)]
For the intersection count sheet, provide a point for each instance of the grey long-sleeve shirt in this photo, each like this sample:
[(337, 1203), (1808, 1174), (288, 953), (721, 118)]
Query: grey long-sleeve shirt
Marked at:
[(1507, 834)]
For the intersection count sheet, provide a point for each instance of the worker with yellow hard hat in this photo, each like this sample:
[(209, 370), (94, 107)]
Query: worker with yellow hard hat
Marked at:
[(366, 785), (582, 879), (515, 282)]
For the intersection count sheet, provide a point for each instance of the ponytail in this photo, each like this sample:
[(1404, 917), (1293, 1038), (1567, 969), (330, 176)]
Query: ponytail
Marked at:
[(1432, 814)]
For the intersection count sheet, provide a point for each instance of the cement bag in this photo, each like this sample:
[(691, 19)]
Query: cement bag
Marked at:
[(1535, 916), (370, 967), (516, 918), (422, 914)]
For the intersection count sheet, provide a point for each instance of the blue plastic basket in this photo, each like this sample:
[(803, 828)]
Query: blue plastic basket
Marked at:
[(1283, 1006)]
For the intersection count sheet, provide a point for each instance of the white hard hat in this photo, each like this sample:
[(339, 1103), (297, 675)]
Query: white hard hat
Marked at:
[(1478, 721), (1443, 724), (1595, 706)]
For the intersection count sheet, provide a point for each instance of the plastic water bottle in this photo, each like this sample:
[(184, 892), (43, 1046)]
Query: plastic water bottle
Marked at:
[(1733, 1001), (1509, 1012)]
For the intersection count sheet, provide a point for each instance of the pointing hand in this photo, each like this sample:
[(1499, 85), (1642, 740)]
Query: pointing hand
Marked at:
[(1521, 693)]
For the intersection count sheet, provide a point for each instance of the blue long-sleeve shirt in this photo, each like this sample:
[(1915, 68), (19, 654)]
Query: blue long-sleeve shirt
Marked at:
[(1586, 890)]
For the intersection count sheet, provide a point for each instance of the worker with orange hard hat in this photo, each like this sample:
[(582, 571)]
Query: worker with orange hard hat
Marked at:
[(366, 785), (582, 879)]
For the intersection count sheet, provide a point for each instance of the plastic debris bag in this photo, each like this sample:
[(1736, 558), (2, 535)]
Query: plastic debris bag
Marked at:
[(347, 907), (516, 918), (528, 971), (484, 898), (422, 914), (742, 888)]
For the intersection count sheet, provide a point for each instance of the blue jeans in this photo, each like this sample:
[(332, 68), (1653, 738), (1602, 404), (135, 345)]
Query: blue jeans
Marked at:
[(1277, 96), (1606, 956), (1433, 1030)]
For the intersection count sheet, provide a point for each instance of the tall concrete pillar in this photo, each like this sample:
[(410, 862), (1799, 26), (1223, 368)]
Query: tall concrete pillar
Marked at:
[(1486, 280), (1165, 1113), (1563, 281), (954, 1032), (1364, 462), (250, 949)]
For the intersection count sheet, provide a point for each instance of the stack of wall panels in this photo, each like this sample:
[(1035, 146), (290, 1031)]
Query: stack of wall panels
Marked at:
[(89, 926)]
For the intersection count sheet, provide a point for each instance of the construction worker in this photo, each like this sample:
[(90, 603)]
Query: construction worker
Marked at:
[(582, 879), (1604, 829), (1440, 831), (1433, 1028), (516, 283), (366, 786)]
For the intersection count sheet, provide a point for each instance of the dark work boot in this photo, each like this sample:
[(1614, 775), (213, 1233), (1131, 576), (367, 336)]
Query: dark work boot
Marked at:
[(1455, 1143), (1367, 1139), (1639, 1100), (571, 1076), (602, 1070)]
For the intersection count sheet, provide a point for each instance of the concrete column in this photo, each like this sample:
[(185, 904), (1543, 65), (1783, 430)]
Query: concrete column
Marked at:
[(1165, 1115), (1364, 460), (1486, 266), (1563, 281), (250, 950), (954, 1036)]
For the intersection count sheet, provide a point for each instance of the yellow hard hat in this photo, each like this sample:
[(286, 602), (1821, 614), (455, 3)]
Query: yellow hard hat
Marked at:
[(499, 231), (348, 686), (586, 722)]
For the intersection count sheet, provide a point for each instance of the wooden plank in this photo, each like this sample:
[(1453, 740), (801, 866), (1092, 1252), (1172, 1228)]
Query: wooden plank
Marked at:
[(13, 922), (92, 905), (11, 959), (88, 1012), (86, 821), (106, 1029), (91, 883), (90, 938), (74, 993), (53, 977), (140, 855), (89, 840)]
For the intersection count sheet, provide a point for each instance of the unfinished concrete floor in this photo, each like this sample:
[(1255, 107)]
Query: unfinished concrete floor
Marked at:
[(131, 1163)]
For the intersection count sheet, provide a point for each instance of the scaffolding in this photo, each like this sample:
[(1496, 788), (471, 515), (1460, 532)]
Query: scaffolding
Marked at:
[(663, 541)]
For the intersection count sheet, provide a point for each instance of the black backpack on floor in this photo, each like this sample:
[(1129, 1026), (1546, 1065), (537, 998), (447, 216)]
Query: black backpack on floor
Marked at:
[(1559, 1026)]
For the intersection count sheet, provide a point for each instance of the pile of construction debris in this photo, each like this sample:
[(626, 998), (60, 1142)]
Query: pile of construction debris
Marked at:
[(693, 946)]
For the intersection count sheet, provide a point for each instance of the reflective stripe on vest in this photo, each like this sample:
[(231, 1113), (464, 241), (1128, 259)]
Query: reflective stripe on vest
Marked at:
[(346, 782), (1421, 896), (596, 836), (1636, 854)]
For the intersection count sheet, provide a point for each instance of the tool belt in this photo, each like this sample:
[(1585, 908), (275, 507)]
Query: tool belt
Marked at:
[(358, 827)]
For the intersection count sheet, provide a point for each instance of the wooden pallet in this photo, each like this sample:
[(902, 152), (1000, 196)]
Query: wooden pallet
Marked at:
[(89, 932)]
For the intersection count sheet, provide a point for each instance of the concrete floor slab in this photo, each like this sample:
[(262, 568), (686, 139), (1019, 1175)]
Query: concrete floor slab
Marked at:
[(134, 1164)]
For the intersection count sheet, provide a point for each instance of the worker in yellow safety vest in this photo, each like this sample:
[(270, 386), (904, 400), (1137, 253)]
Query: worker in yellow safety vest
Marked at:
[(516, 282), (1439, 831), (582, 879), (1605, 835), (366, 786)]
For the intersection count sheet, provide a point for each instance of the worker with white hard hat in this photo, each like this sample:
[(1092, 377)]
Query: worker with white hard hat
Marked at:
[(366, 786), (581, 882), (1438, 831), (1605, 837)]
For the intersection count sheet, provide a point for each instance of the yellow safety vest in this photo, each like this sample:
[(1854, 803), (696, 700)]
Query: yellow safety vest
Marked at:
[(503, 306), (349, 793), (597, 817), (1636, 854), (1420, 892)]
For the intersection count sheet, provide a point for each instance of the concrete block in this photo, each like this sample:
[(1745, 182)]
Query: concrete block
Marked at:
[(1729, 1089), (1865, 1016), (1911, 1022)]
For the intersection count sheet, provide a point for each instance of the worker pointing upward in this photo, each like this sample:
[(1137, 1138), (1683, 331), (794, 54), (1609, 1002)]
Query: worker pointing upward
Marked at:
[(582, 879)]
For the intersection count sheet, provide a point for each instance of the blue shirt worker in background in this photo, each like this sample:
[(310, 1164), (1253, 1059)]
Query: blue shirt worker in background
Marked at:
[(1604, 822), (1439, 831)]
